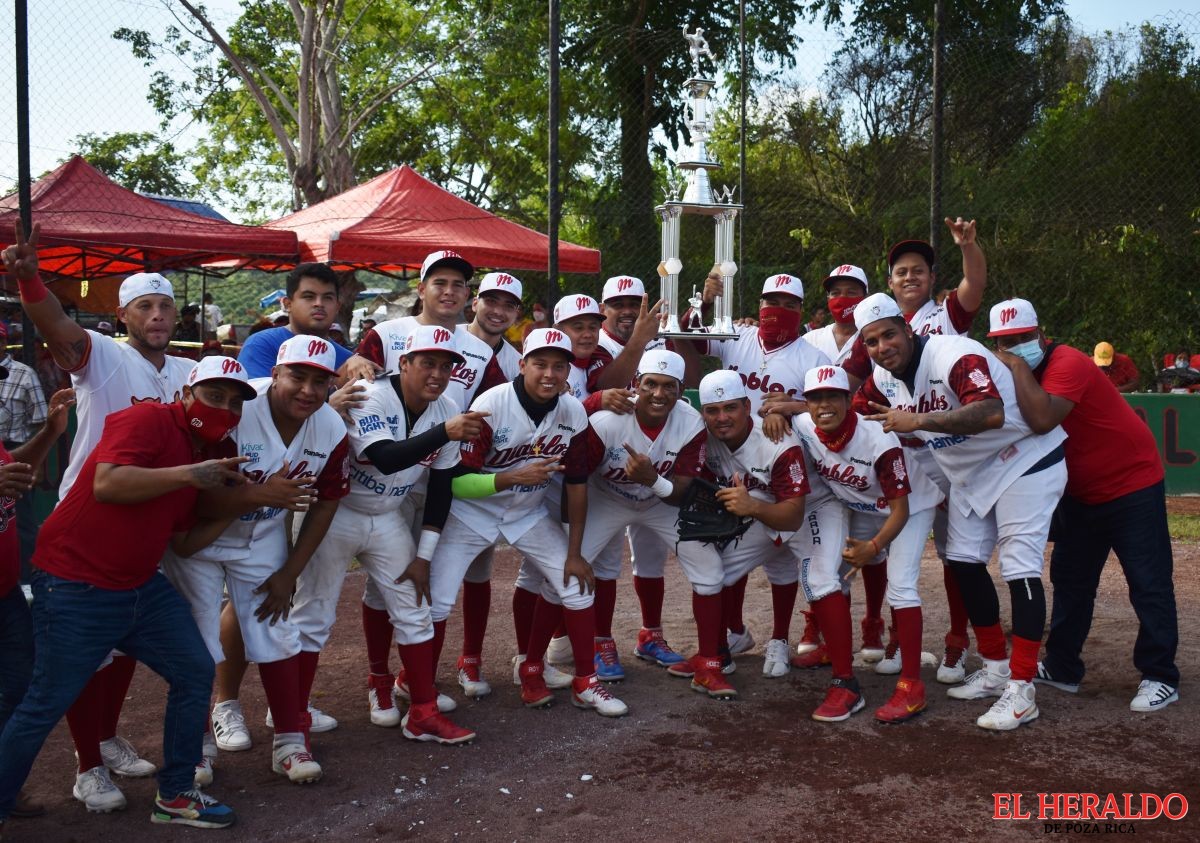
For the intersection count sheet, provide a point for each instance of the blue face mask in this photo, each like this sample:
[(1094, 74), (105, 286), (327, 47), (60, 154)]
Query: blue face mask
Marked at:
[(1031, 352)]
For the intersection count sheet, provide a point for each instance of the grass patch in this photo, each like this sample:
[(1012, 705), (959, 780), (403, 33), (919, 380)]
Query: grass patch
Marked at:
[(1184, 527)]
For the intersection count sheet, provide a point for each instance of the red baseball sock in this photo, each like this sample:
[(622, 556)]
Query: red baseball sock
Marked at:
[(523, 605), (476, 603), (954, 600), (83, 719), (650, 591), (833, 614), (874, 579), (419, 665), (281, 682), (783, 604), (1023, 662), (439, 640), (605, 605), (115, 680), (546, 618), (581, 629), (308, 674), (377, 629), (908, 629), (707, 610), (732, 598), (990, 640)]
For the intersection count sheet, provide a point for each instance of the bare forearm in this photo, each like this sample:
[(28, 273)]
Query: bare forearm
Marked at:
[(1032, 400), (966, 420), (576, 515), (203, 533), (894, 523), (784, 516), (127, 484), (68, 342), (974, 282), (229, 502), (38, 448)]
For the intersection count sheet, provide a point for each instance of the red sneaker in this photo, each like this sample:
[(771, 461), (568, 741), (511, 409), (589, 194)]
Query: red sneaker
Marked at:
[(813, 659), (906, 703), (424, 723), (686, 669), (841, 700), (534, 693), (708, 679), (811, 638)]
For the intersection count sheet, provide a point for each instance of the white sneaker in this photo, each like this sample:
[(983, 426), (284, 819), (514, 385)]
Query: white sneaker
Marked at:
[(740, 642), (555, 679), (321, 722), (379, 698), (952, 668), (204, 772), (96, 790), (560, 651), (296, 762), (890, 664), (596, 695), (1017, 705), (470, 679), (229, 727), (778, 658), (119, 756), (989, 681), (445, 704), (1153, 695)]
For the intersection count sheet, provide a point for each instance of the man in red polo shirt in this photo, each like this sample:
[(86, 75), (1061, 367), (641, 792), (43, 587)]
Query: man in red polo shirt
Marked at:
[(1114, 501)]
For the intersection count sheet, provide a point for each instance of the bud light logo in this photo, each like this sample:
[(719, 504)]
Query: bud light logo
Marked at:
[(230, 366), (554, 336), (317, 348), (441, 336), (624, 284), (1007, 315), (824, 373)]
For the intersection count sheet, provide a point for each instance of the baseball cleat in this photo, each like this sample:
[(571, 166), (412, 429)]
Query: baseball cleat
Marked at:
[(120, 757), (776, 660), (708, 679), (740, 642), (1043, 677), (812, 634), (872, 640), (1017, 705), (890, 664), (95, 789), (1153, 695), (204, 773), (652, 647), (560, 651), (685, 669), (469, 678), (193, 808), (589, 692), (952, 668), (534, 693), (908, 700), (989, 681), (813, 659), (379, 698), (445, 704), (296, 762), (607, 662), (841, 700), (429, 725), (319, 721), (554, 678)]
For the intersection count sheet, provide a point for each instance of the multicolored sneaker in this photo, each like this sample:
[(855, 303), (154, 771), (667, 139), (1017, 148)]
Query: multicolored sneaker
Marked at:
[(652, 647), (608, 664), (908, 700), (841, 700), (589, 692), (193, 808)]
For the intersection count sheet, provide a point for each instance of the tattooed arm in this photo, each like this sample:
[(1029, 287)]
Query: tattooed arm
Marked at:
[(967, 420), (126, 484)]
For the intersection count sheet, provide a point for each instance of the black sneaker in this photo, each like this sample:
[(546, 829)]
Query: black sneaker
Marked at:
[(1043, 677)]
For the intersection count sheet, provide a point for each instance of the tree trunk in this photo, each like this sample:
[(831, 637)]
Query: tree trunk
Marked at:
[(637, 242)]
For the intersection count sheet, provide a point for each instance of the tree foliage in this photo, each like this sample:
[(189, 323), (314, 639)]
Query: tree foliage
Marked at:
[(137, 160)]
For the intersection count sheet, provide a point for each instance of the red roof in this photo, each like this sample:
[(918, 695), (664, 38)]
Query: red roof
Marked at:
[(393, 221)]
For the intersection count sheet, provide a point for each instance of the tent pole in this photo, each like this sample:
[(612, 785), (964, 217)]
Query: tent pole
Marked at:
[(24, 186), (203, 312), (552, 164)]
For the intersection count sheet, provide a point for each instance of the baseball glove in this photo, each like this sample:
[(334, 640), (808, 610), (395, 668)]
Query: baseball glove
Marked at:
[(705, 519)]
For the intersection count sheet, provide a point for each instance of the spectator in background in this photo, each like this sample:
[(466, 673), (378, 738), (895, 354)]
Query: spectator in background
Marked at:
[(337, 333), (818, 320), (105, 328), (22, 414), (212, 348), (187, 329), (365, 324), (1119, 369), (212, 316), (278, 319), (539, 320)]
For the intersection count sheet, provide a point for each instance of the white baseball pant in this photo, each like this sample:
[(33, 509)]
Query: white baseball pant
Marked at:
[(529, 575), (903, 554), (818, 545), (202, 585), (648, 551), (758, 547)]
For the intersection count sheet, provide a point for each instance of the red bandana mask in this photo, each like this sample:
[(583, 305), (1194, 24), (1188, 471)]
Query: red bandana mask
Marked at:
[(844, 432), (842, 308), (211, 424), (777, 326)]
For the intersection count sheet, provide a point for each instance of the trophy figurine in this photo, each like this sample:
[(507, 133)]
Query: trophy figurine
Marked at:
[(696, 322)]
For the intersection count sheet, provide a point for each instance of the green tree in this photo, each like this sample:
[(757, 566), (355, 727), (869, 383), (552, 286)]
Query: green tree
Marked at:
[(137, 160)]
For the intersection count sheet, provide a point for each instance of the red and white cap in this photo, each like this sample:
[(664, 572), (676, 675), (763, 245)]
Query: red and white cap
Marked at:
[(222, 369), (660, 361), (542, 338), (143, 284), (569, 307), (784, 283), (722, 385), (620, 286), (500, 282), (875, 307), (305, 350), (850, 271), (450, 258), (826, 377), (430, 338), (1015, 316)]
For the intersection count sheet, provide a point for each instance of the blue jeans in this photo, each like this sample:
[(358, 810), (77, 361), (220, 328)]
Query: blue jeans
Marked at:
[(1134, 526), (16, 651), (75, 626)]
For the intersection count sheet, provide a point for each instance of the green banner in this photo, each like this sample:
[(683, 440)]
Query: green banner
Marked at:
[(1174, 419)]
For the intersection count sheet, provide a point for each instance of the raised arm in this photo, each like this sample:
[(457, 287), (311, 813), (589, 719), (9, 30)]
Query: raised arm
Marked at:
[(974, 280)]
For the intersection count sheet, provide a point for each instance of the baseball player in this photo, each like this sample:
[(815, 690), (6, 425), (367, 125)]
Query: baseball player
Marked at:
[(107, 376), (865, 469), (290, 431), (1005, 480)]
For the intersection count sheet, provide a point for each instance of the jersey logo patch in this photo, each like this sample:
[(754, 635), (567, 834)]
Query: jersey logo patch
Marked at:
[(979, 379), (501, 437)]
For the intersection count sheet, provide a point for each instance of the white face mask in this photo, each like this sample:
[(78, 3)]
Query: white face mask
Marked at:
[(1031, 352)]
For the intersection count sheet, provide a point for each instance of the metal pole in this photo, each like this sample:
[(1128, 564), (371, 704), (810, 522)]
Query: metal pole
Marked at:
[(936, 151), (741, 258), (24, 185), (552, 163)]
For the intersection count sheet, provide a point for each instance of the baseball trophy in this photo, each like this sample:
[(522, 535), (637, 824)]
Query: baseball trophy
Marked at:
[(693, 195)]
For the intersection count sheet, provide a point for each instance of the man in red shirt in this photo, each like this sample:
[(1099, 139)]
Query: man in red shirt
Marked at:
[(97, 586), (1114, 501), (1118, 368)]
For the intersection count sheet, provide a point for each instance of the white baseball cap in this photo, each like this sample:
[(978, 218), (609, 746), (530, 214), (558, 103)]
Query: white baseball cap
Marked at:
[(432, 338), (305, 350), (222, 369), (875, 307), (620, 286), (660, 361), (569, 307), (1015, 316), (276, 316), (336, 326), (500, 282), (784, 283), (143, 284), (722, 385), (450, 258), (540, 338), (847, 270), (826, 377)]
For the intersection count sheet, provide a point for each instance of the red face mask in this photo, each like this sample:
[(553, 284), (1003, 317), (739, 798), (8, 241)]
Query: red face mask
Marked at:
[(842, 308), (211, 424), (778, 325)]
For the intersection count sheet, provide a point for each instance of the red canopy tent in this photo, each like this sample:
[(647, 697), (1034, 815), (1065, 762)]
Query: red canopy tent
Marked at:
[(393, 221), (91, 227)]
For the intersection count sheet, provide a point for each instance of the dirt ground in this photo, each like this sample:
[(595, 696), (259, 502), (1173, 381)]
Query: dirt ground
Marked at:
[(680, 765)]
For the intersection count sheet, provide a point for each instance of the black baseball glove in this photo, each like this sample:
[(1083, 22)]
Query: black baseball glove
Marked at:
[(703, 518)]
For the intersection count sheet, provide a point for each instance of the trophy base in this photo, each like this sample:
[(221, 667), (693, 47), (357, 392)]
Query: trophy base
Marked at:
[(697, 335)]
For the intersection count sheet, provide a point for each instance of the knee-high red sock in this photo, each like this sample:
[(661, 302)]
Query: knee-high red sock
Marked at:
[(874, 578), (581, 629), (990, 640), (707, 610), (115, 680), (833, 614), (476, 603), (908, 630), (783, 604), (547, 617), (954, 600), (524, 603), (308, 675), (377, 630), (650, 591), (732, 598), (418, 670), (1023, 662), (439, 640), (605, 605), (83, 718), (281, 682)]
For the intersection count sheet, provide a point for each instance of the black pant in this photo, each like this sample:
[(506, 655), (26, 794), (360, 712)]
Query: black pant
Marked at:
[(1134, 526)]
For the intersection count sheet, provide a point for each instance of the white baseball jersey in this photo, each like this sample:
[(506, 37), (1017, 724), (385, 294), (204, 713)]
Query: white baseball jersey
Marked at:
[(952, 372), (869, 469), (113, 376), (824, 341), (677, 448), (382, 418), (771, 471), (385, 349), (948, 318), (781, 370), (510, 439)]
